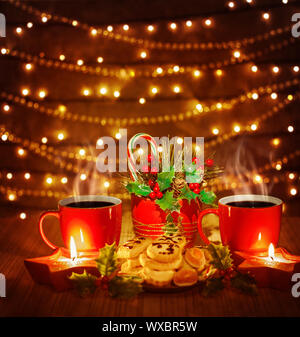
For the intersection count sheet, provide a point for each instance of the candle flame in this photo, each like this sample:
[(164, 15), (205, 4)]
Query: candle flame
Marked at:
[(73, 250), (259, 236), (271, 251), (81, 236)]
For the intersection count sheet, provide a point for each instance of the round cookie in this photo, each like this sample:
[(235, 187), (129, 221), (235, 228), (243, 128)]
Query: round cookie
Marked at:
[(158, 278), (195, 257), (133, 248), (163, 251), (152, 264), (178, 239), (185, 277)]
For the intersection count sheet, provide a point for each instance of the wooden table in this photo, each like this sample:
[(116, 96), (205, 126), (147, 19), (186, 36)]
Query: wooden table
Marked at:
[(19, 239)]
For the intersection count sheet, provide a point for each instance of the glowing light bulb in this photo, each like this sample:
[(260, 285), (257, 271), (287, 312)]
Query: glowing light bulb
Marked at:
[(278, 166), (44, 140), (274, 95), (64, 180), (103, 91), (27, 175), (44, 18), (291, 176), (219, 72), (253, 127), (173, 26), (25, 92), (82, 152), (142, 100), (275, 141), (80, 62), (179, 140), (143, 54), (6, 107), (257, 178), (62, 57), (4, 137), (22, 216), (42, 93), (74, 23), (86, 92), (150, 28), (293, 191), (12, 197), (9, 176), (159, 70), (215, 131), (118, 135), (275, 69), (116, 93), (100, 59), (231, 4), (254, 96), (49, 180), (285, 1), (199, 107), (290, 97), (176, 69), (237, 128), (28, 66), (290, 128), (176, 89), (83, 176), (219, 105), (296, 69), (29, 25), (110, 28), (21, 152), (197, 73), (125, 27), (4, 51), (249, 1), (188, 23), (154, 90), (93, 32), (266, 16), (236, 54), (208, 22), (19, 30), (61, 136), (254, 68), (99, 142), (106, 184)]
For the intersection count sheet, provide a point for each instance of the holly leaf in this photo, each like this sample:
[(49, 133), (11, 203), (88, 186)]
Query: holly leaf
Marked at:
[(138, 188), (168, 202), (212, 286), (124, 287), (221, 258), (107, 260), (84, 283), (207, 197), (164, 179), (188, 194), (244, 282)]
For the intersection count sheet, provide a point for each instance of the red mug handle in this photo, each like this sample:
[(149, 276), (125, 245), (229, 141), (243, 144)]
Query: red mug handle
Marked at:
[(201, 215), (42, 217)]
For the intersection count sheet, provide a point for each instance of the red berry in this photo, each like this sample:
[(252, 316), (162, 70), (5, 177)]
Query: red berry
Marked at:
[(209, 162), (150, 182), (192, 186), (196, 190), (156, 185), (152, 195), (194, 160), (159, 195), (196, 185), (145, 169), (156, 189)]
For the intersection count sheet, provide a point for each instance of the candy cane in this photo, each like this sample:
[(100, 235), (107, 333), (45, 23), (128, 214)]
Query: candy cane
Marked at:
[(131, 143)]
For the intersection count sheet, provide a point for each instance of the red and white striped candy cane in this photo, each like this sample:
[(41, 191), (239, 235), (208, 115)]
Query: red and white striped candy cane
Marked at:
[(130, 148)]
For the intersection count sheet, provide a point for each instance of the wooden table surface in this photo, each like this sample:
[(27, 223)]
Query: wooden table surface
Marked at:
[(19, 239)]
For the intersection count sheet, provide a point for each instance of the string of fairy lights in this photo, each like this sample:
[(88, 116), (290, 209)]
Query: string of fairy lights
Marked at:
[(123, 32)]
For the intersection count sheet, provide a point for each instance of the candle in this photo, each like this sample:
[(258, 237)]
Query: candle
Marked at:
[(274, 269), (55, 269)]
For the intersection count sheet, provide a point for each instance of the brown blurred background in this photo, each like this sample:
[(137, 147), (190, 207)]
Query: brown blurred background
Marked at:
[(262, 163)]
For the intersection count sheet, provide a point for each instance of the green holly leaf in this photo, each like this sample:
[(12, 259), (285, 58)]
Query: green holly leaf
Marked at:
[(244, 282), (221, 257), (212, 286), (138, 188), (188, 194), (207, 197), (164, 179), (107, 260), (84, 283), (125, 287), (168, 202)]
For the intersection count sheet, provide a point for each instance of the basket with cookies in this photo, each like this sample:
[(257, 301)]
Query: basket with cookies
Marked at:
[(167, 201)]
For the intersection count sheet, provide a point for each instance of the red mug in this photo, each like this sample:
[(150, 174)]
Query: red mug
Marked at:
[(245, 228), (90, 225)]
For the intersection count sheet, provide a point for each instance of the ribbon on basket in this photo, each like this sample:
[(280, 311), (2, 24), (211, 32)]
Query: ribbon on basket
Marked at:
[(131, 147)]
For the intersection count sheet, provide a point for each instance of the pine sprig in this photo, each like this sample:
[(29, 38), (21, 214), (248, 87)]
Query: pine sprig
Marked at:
[(221, 256)]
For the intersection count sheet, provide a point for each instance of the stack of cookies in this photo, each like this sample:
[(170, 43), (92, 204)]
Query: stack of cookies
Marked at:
[(162, 261)]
